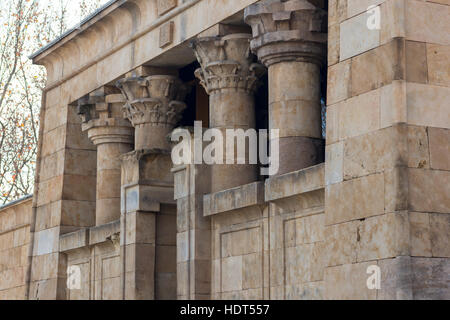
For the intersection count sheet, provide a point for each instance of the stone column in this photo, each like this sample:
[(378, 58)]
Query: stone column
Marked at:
[(148, 253), (113, 136), (288, 39), (230, 78), (154, 106)]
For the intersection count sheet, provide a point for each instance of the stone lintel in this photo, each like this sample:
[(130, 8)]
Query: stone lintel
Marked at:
[(146, 198), (232, 199), (90, 236), (147, 167), (221, 29), (74, 240), (146, 71), (106, 232), (295, 183)]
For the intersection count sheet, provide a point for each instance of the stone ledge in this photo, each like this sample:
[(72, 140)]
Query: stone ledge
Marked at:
[(89, 236), (295, 183), (103, 233), (141, 197), (236, 198), (74, 240)]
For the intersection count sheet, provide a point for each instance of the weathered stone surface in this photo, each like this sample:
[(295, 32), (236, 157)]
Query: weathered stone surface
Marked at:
[(355, 37), (378, 67), (439, 140), (384, 236), (232, 199), (334, 163), (74, 240), (359, 115), (341, 240), (428, 105), (428, 190), (348, 282), (357, 205), (393, 104), (231, 274), (430, 278), (166, 5), (427, 22), (106, 232), (337, 11), (416, 62), (295, 183), (338, 88), (383, 186), (166, 34), (440, 235), (420, 234), (438, 64), (46, 241), (396, 279)]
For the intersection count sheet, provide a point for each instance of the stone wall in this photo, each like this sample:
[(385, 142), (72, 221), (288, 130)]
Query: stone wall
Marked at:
[(65, 195), (95, 252), (386, 199), (14, 246), (225, 232), (257, 241)]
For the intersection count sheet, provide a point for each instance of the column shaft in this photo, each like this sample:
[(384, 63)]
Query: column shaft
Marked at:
[(108, 181), (113, 136), (295, 109), (230, 78), (289, 39), (231, 109)]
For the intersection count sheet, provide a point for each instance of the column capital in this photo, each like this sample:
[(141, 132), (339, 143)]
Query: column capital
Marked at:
[(154, 100), (101, 117), (293, 30), (226, 63), (154, 106)]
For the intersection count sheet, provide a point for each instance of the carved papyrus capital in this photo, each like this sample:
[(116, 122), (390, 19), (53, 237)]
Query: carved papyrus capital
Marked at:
[(226, 63), (155, 100), (154, 106), (154, 112), (293, 30)]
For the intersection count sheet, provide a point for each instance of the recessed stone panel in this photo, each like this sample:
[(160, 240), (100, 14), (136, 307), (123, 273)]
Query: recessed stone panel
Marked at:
[(166, 34), (166, 5)]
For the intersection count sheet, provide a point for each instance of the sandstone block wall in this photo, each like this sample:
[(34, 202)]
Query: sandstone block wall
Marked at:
[(388, 118), (14, 245), (96, 253), (380, 198)]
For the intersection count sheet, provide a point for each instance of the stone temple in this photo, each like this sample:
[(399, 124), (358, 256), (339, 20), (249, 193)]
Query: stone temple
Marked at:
[(112, 216)]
